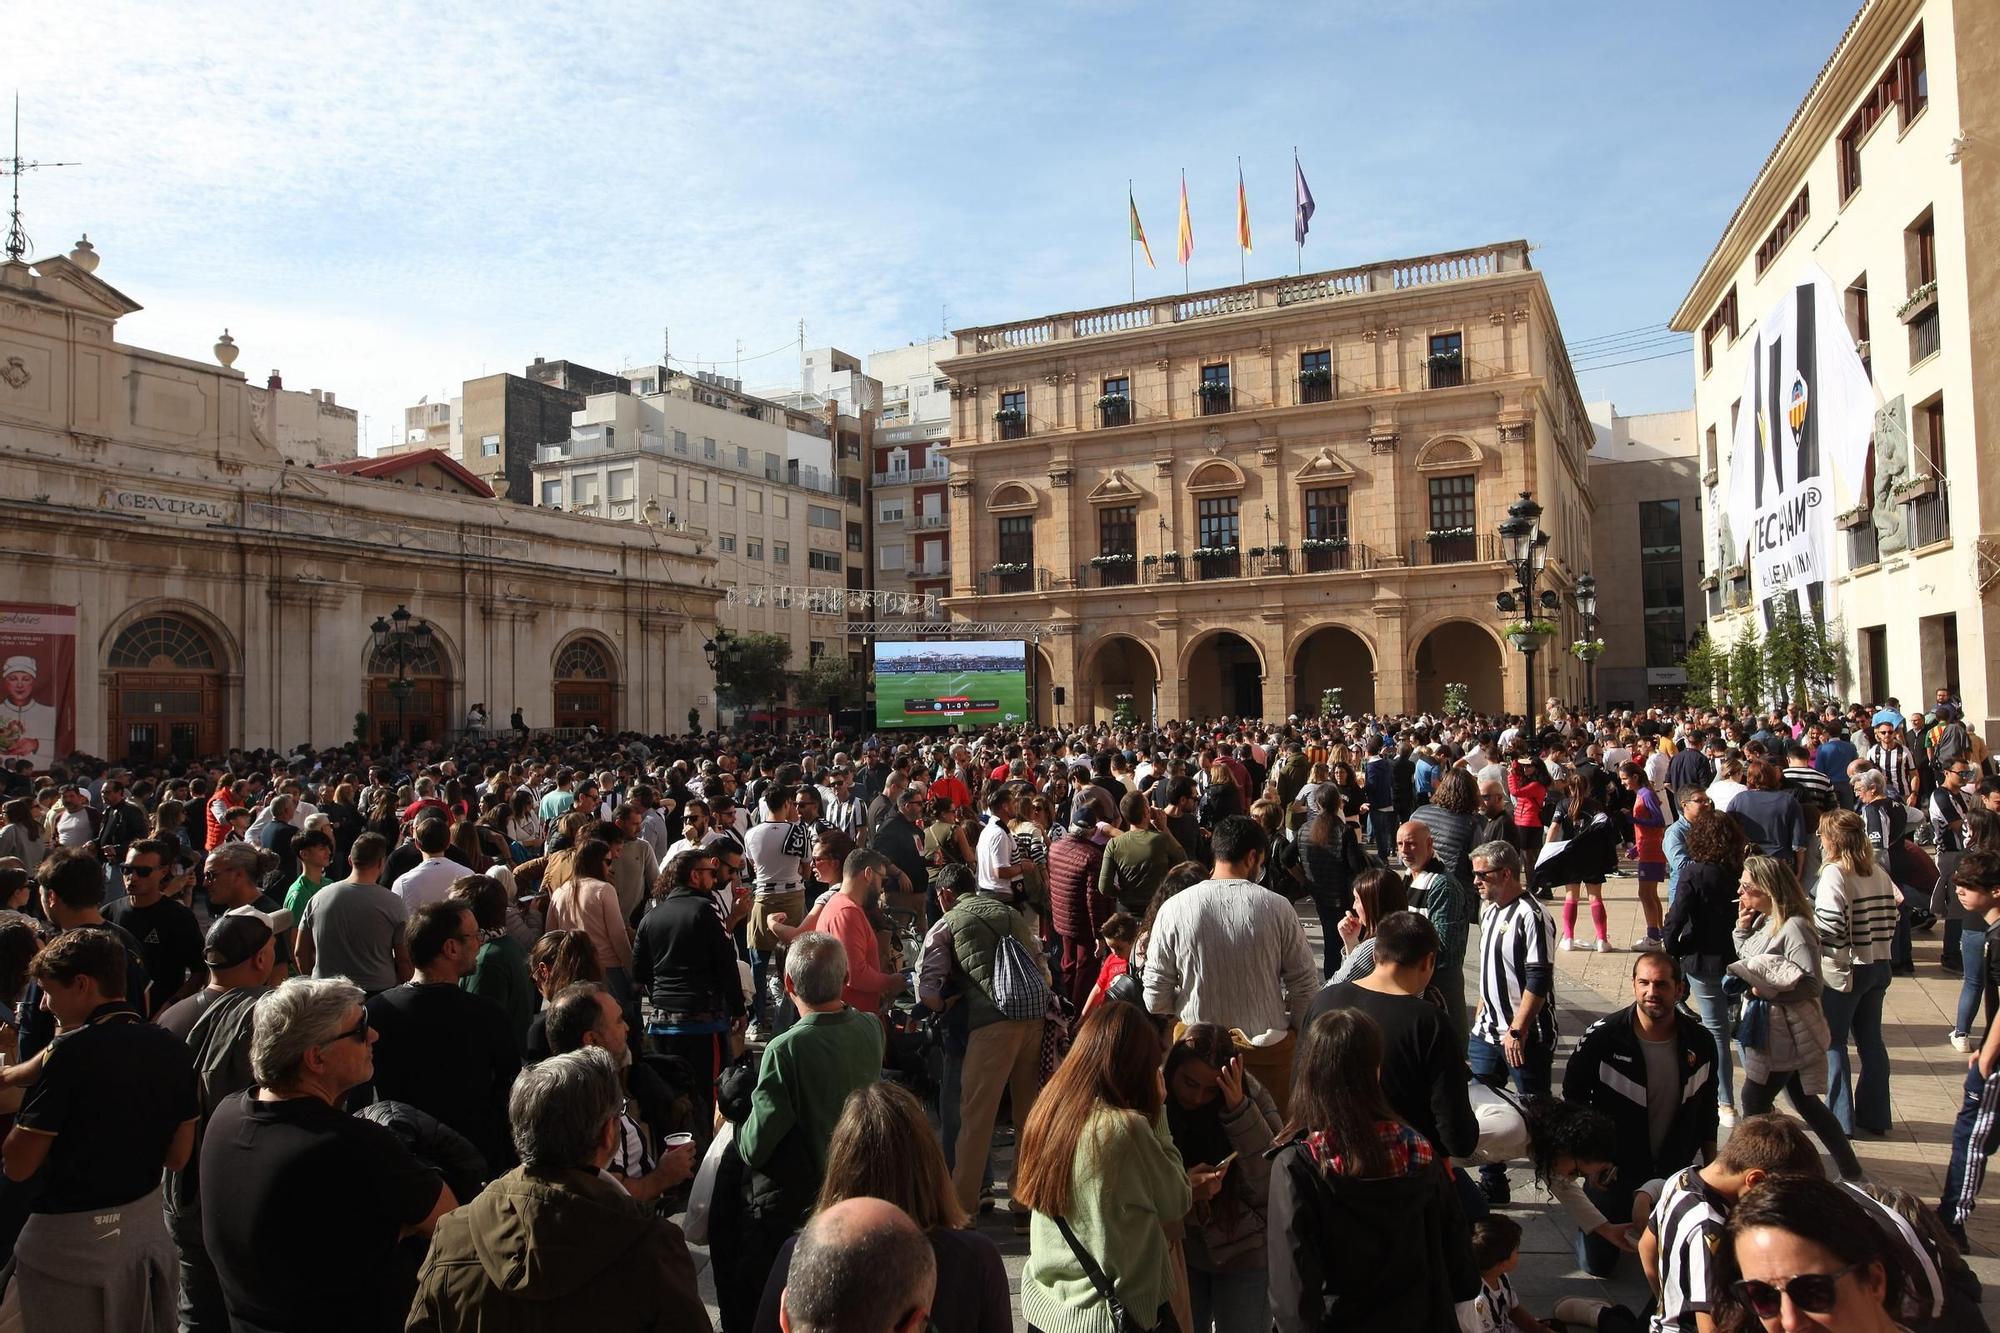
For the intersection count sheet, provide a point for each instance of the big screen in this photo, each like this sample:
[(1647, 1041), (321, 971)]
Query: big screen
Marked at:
[(932, 683)]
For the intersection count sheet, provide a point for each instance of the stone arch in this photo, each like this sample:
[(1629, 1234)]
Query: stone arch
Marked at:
[(1215, 475), (1454, 648), (1329, 656), (1117, 664), (217, 632), (167, 671), (584, 681), (1224, 672), (427, 709), (1449, 453), (1012, 497)]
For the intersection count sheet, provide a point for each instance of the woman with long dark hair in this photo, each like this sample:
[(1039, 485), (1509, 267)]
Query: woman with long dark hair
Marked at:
[(1452, 817), (1700, 932), (1096, 1160), (1327, 851), (1377, 895), (1216, 1112), (1365, 1232)]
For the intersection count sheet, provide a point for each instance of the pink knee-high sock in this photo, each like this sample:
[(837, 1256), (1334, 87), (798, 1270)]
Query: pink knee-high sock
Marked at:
[(1597, 917), (1569, 918)]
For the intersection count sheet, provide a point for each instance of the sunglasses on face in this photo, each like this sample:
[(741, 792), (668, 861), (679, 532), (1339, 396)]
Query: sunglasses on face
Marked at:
[(143, 872), (1812, 1293), (1485, 874), (359, 1032)]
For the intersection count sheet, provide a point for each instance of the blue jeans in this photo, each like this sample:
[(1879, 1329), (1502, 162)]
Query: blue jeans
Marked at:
[(1705, 989), (1489, 1065), (1594, 1254), (1859, 1011), (1974, 1135), (1226, 1302), (1972, 956), (1382, 827)]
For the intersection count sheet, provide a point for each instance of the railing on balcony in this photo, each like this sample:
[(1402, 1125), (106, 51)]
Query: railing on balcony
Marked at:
[(930, 521), (1334, 285), (1214, 399), (1162, 571), (1227, 565), (1012, 428), (1114, 412), (1315, 388), (934, 569), (1442, 550), (994, 581), (1930, 517), (1864, 545), (1336, 559), (1260, 563), (1123, 574), (1445, 372), (911, 476)]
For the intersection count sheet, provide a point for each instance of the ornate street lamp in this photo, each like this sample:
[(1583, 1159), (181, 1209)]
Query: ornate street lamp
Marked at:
[(723, 653), (397, 640), (1586, 609), (1526, 547)]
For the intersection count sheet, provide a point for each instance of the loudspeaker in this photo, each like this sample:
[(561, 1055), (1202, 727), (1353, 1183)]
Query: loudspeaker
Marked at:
[(1058, 696)]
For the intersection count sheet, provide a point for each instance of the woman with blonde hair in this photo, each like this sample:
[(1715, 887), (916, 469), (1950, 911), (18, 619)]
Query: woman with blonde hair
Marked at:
[(1222, 799), (1778, 957), (884, 1148), (589, 903), (1854, 906)]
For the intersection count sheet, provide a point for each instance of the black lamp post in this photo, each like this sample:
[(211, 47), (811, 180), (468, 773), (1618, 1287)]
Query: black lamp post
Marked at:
[(1586, 608), (723, 654), (401, 642), (1526, 547)]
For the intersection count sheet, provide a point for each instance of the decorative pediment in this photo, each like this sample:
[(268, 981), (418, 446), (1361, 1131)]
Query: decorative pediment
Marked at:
[(1449, 453), (1324, 468), (1011, 497), (1214, 477), (1115, 489)]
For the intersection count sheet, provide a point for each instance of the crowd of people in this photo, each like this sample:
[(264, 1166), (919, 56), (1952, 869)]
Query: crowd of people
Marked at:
[(448, 1037)]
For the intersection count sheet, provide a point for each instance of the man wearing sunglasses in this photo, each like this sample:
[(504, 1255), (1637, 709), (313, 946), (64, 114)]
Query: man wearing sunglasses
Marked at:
[(168, 934), (307, 1234)]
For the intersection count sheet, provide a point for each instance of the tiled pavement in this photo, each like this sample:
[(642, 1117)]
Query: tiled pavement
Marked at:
[(1925, 1091)]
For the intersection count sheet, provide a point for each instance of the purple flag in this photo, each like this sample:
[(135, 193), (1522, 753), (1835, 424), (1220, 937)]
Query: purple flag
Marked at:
[(1305, 203)]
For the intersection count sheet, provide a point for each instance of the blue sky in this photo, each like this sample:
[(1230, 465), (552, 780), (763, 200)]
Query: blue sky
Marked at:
[(384, 200)]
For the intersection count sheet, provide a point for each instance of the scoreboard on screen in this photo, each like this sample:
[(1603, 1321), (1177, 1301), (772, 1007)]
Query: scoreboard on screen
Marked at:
[(931, 683)]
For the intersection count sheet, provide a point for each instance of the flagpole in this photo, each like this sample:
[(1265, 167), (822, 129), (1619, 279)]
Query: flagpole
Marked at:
[(1186, 289), (1131, 245), (1297, 244)]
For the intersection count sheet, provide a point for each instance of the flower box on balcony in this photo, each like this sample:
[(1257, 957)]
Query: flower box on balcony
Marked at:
[(1004, 570), (1853, 518), (1315, 379), (1922, 299), (1113, 402), (1213, 389), (1311, 544), (1010, 416), (1445, 360), (1110, 561), (1918, 488), (1448, 534), (1208, 553)]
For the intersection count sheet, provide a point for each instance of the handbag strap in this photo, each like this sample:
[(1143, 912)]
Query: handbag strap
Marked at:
[(1097, 1276)]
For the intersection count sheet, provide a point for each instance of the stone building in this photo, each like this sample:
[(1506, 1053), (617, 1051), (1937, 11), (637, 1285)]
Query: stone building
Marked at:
[(1886, 181), (308, 427), (1228, 502), (220, 597), (1645, 553)]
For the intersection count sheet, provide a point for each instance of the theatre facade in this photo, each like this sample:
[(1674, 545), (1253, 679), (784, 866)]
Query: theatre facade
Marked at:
[(179, 587)]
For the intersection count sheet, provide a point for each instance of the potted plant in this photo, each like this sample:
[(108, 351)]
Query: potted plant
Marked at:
[(1010, 416), (1149, 560), (1323, 544), (1256, 553), (1113, 403), (1920, 300), (1448, 534), (1208, 553), (1122, 711), (1280, 552), (1529, 635), (1457, 698), (1449, 359), (1329, 702), (1213, 391), (1587, 650), (1003, 569), (1319, 377)]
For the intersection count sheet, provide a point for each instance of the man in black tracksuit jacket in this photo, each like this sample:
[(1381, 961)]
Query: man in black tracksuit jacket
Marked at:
[(1613, 1071)]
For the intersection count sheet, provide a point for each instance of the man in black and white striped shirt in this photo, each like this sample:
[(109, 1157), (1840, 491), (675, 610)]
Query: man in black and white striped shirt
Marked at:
[(1678, 1247), (1514, 1033)]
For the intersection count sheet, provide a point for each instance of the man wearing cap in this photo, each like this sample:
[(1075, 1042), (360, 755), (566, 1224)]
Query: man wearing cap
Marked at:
[(17, 705), (1892, 756), (215, 1022)]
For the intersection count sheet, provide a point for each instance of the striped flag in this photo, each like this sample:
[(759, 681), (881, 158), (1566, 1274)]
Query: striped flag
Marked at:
[(1242, 210), (1139, 232), (1187, 225), (1305, 202)]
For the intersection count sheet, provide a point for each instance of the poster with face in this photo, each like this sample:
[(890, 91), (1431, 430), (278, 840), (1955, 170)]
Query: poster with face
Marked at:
[(37, 682)]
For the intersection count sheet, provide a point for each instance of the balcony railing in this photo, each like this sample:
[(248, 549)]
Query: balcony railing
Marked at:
[(1335, 560), (1930, 517), (1249, 298), (930, 521), (1315, 390), (1011, 428), (1455, 550), (1213, 400), (933, 569), (1122, 575), (1163, 571), (1864, 545), (1115, 412), (912, 476), (1227, 566), (992, 582), (1445, 372)]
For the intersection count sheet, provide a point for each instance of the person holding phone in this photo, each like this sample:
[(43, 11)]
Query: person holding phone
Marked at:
[(1223, 1121)]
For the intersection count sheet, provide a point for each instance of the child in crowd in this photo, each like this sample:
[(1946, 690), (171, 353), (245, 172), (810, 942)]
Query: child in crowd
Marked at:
[(1496, 1248), (1118, 934), (1977, 1130)]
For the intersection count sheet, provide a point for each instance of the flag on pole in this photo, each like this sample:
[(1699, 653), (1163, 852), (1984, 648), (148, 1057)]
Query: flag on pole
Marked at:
[(1139, 232), (1305, 202), (1242, 210), (1187, 225)]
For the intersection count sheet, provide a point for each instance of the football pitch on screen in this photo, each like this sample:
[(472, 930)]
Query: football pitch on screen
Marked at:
[(900, 700)]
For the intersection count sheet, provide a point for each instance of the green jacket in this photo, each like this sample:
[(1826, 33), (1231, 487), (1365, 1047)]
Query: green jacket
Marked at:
[(977, 925), (501, 975), (557, 1252), (803, 1081)]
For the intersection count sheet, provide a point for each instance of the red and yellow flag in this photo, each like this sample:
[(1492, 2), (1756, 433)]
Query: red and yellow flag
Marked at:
[(1187, 225), (1242, 211), (1139, 232)]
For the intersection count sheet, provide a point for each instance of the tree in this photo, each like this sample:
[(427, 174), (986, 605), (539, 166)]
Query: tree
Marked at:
[(1746, 667), (832, 681), (758, 676), (1803, 652), (1707, 668)]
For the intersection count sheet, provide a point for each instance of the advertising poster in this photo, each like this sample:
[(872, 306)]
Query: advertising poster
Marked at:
[(37, 682)]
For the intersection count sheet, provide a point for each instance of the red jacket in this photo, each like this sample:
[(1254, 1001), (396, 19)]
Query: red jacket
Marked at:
[(847, 921), (1076, 908)]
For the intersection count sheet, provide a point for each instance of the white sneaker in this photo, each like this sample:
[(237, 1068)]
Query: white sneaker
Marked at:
[(1567, 944), (1646, 943), (755, 1035), (1963, 1043), (1603, 945), (1725, 1116), (1580, 1311)]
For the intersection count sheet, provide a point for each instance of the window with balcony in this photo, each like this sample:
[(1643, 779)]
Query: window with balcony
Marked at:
[(1721, 320), (1930, 516), (1215, 394), (1786, 227), (1445, 363), (1316, 377), (1012, 418), (1325, 546), (1218, 529), (1117, 562), (1114, 403), (1920, 309), (1452, 538), (1014, 569)]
